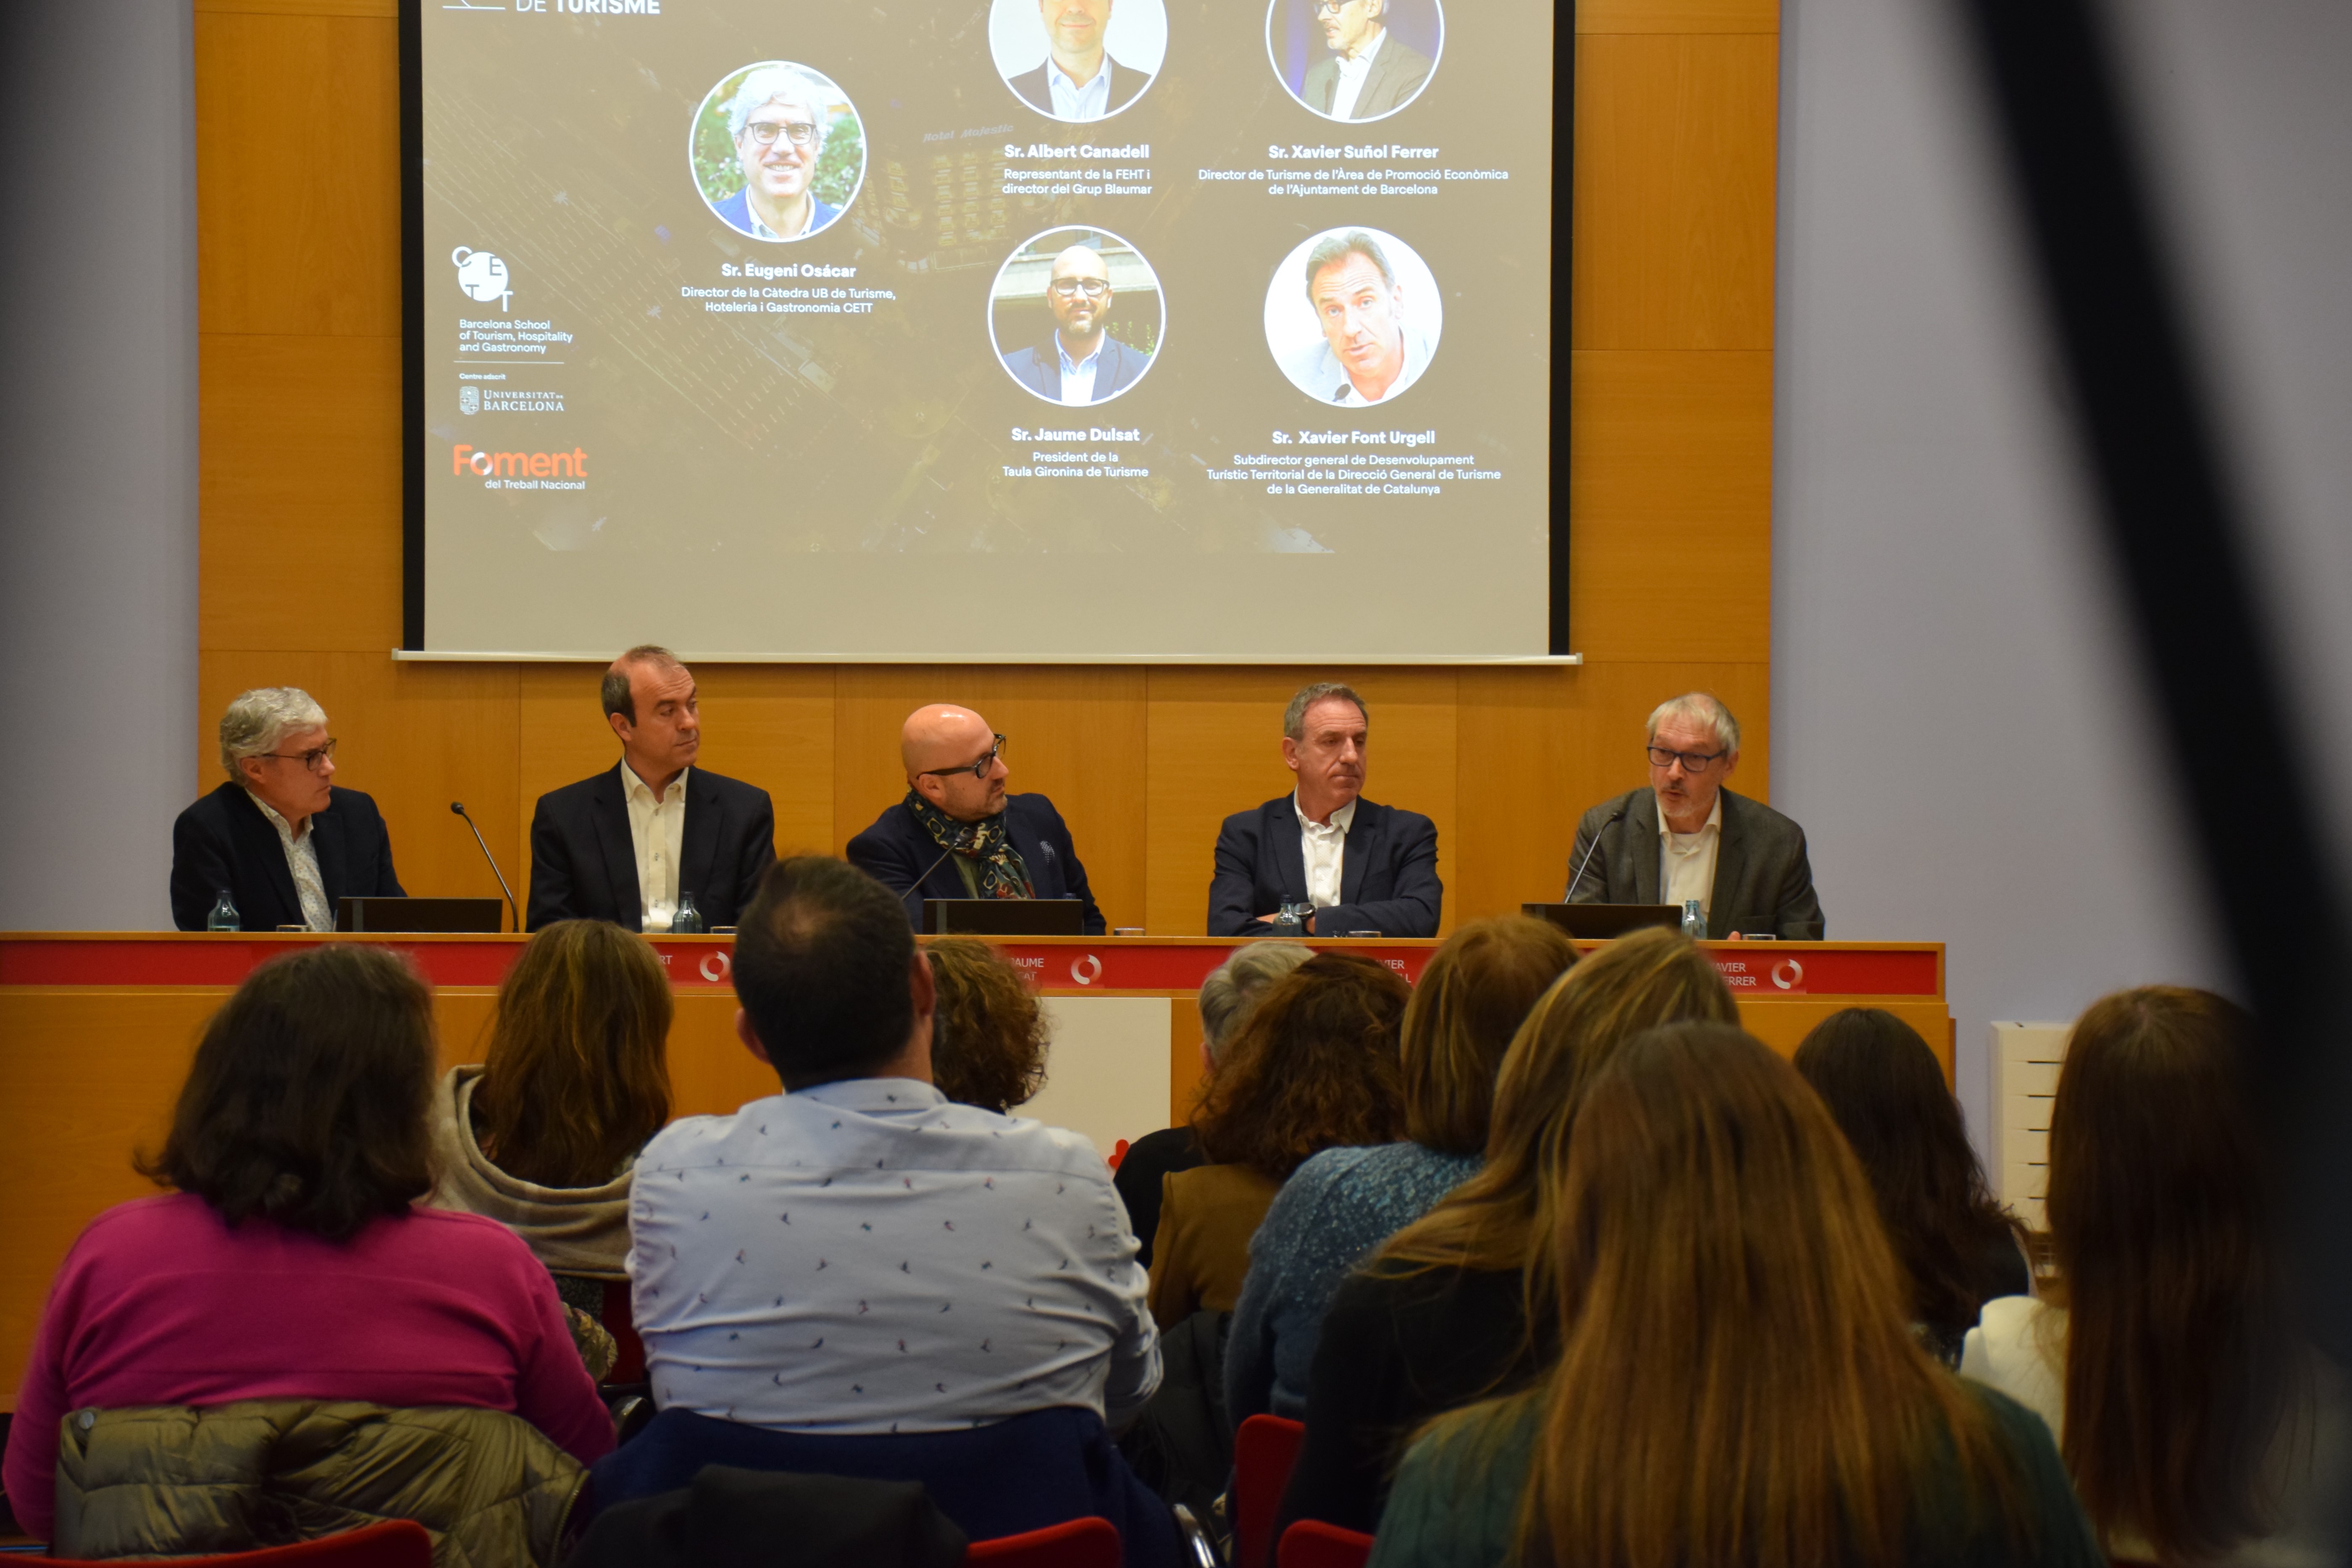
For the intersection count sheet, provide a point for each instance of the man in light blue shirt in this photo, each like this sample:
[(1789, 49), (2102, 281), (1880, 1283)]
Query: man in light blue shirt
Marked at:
[(856, 1254), (1372, 348), (1079, 82), (1080, 362)]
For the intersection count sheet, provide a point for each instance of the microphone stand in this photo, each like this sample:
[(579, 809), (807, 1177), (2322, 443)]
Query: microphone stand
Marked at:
[(459, 807)]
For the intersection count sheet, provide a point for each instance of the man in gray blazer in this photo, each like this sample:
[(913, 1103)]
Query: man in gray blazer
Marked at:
[(1684, 835), (1368, 72)]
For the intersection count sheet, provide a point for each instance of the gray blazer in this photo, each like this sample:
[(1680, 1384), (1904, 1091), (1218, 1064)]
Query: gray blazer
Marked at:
[(1397, 74), (1763, 883)]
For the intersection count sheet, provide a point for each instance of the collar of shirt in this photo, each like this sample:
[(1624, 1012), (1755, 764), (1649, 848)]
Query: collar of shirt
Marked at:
[(874, 1096), (1352, 67), (1714, 824), (1341, 819), (1078, 375), (636, 789), (286, 829), (1071, 102), (760, 229), (1330, 372)]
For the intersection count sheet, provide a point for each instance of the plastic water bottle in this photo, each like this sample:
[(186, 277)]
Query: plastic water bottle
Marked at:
[(687, 921), (1290, 920), (1694, 921), (223, 916)]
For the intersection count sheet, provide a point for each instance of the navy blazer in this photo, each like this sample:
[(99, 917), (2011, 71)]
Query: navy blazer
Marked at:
[(1039, 368), (895, 850), (225, 841), (1125, 82), (1388, 876), (584, 864)]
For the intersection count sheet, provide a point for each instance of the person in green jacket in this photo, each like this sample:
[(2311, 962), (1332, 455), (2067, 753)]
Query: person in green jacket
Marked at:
[(1737, 1383)]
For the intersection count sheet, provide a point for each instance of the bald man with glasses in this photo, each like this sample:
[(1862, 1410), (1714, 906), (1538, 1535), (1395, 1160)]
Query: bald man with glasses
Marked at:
[(1683, 835), (958, 833), (1080, 363)]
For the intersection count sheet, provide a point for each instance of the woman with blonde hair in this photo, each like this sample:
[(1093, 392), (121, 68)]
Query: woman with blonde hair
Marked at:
[(2198, 1423), (1344, 1202), (1441, 1315), (1737, 1382), (542, 1135)]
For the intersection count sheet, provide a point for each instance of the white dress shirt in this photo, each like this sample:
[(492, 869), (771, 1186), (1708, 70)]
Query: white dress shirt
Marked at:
[(1079, 376), (866, 1256), (1686, 860), (1352, 73), (1073, 102), (302, 860), (1325, 846), (657, 833), (1317, 373)]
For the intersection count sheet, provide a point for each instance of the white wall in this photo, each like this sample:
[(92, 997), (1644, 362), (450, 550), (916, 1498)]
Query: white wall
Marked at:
[(1957, 718), (97, 456)]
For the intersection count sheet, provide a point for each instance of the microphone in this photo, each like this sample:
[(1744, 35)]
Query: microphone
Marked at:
[(915, 911), (1590, 850), (458, 807)]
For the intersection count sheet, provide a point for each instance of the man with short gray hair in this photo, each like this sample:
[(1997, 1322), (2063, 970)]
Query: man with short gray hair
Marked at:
[(1341, 863), (280, 840), (778, 119), (1683, 835)]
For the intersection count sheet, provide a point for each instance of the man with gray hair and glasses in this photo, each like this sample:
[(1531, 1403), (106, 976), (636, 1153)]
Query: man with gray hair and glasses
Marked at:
[(1321, 860), (279, 838), (1683, 835), (778, 119)]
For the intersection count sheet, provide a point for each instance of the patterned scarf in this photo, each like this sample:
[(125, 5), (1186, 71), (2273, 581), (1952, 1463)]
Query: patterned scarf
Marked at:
[(996, 865)]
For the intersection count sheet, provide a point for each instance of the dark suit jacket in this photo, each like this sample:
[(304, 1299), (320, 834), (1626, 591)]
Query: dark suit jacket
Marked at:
[(1039, 368), (584, 865), (224, 841), (895, 850), (1763, 883), (1031, 87), (1388, 876), (1396, 75)]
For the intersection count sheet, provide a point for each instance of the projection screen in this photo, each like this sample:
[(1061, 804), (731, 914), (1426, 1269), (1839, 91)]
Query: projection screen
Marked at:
[(1041, 329)]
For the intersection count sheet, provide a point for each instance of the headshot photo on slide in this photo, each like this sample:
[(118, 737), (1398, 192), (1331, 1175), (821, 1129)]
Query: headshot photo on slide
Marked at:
[(1075, 316), (1078, 61), (1355, 59), (777, 151), (1354, 316)]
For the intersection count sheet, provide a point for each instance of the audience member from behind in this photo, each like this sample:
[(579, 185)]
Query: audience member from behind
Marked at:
[(1228, 997), (2198, 1423), (1315, 1067), (857, 1254), (1343, 1203), (1736, 1383), (988, 1034), (541, 1136), (288, 1264), (1886, 1091), (1440, 1316)]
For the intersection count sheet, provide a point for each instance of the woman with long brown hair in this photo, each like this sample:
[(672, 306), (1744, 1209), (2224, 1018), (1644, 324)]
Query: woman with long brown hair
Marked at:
[(1315, 1066), (1342, 1203), (1737, 1384), (2198, 1425), (1885, 1090), (542, 1135), (1440, 1316)]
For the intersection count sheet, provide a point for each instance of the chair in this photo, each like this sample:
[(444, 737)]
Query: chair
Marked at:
[(398, 1543), (1078, 1543), (1265, 1449), (1311, 1543)]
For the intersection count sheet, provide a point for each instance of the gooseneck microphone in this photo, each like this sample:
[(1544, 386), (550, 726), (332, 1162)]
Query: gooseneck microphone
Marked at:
[(915, 911), (1590, 850), (458, 807)]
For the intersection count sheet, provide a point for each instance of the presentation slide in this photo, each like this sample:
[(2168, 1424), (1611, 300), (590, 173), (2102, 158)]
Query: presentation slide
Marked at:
[(1003, 330)]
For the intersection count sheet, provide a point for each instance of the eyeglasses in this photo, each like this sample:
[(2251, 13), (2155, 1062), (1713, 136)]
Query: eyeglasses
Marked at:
[(978, 770), (310, 759), (1692, 761), (1092, 288), (764, 131), (1331, 7)]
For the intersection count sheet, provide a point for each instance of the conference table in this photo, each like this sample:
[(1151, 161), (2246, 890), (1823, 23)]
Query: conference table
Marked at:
[(97, 1030)]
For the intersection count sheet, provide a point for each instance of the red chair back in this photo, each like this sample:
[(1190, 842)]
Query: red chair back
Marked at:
[(1079, 1543), (399, 1543), (1311, 1543), (1264, 1451)]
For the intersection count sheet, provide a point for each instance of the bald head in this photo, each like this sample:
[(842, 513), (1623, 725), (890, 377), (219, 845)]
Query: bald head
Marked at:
[(1080, 261), (938, 746)]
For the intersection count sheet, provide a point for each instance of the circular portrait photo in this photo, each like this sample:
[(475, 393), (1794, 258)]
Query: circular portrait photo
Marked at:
[(1352, 317), (1355, 59), (778, 152), (1075, 316), (1078, 60)]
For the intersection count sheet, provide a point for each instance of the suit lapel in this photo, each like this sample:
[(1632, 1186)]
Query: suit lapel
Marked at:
[(1289, 855), (706, 819), (1642, 845), (1730, 866), (1356, 857), (258, 845), (328, 844), (611, 814), (1042, 862)]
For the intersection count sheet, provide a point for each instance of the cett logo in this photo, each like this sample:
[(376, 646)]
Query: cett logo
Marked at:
[(572, 465)]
